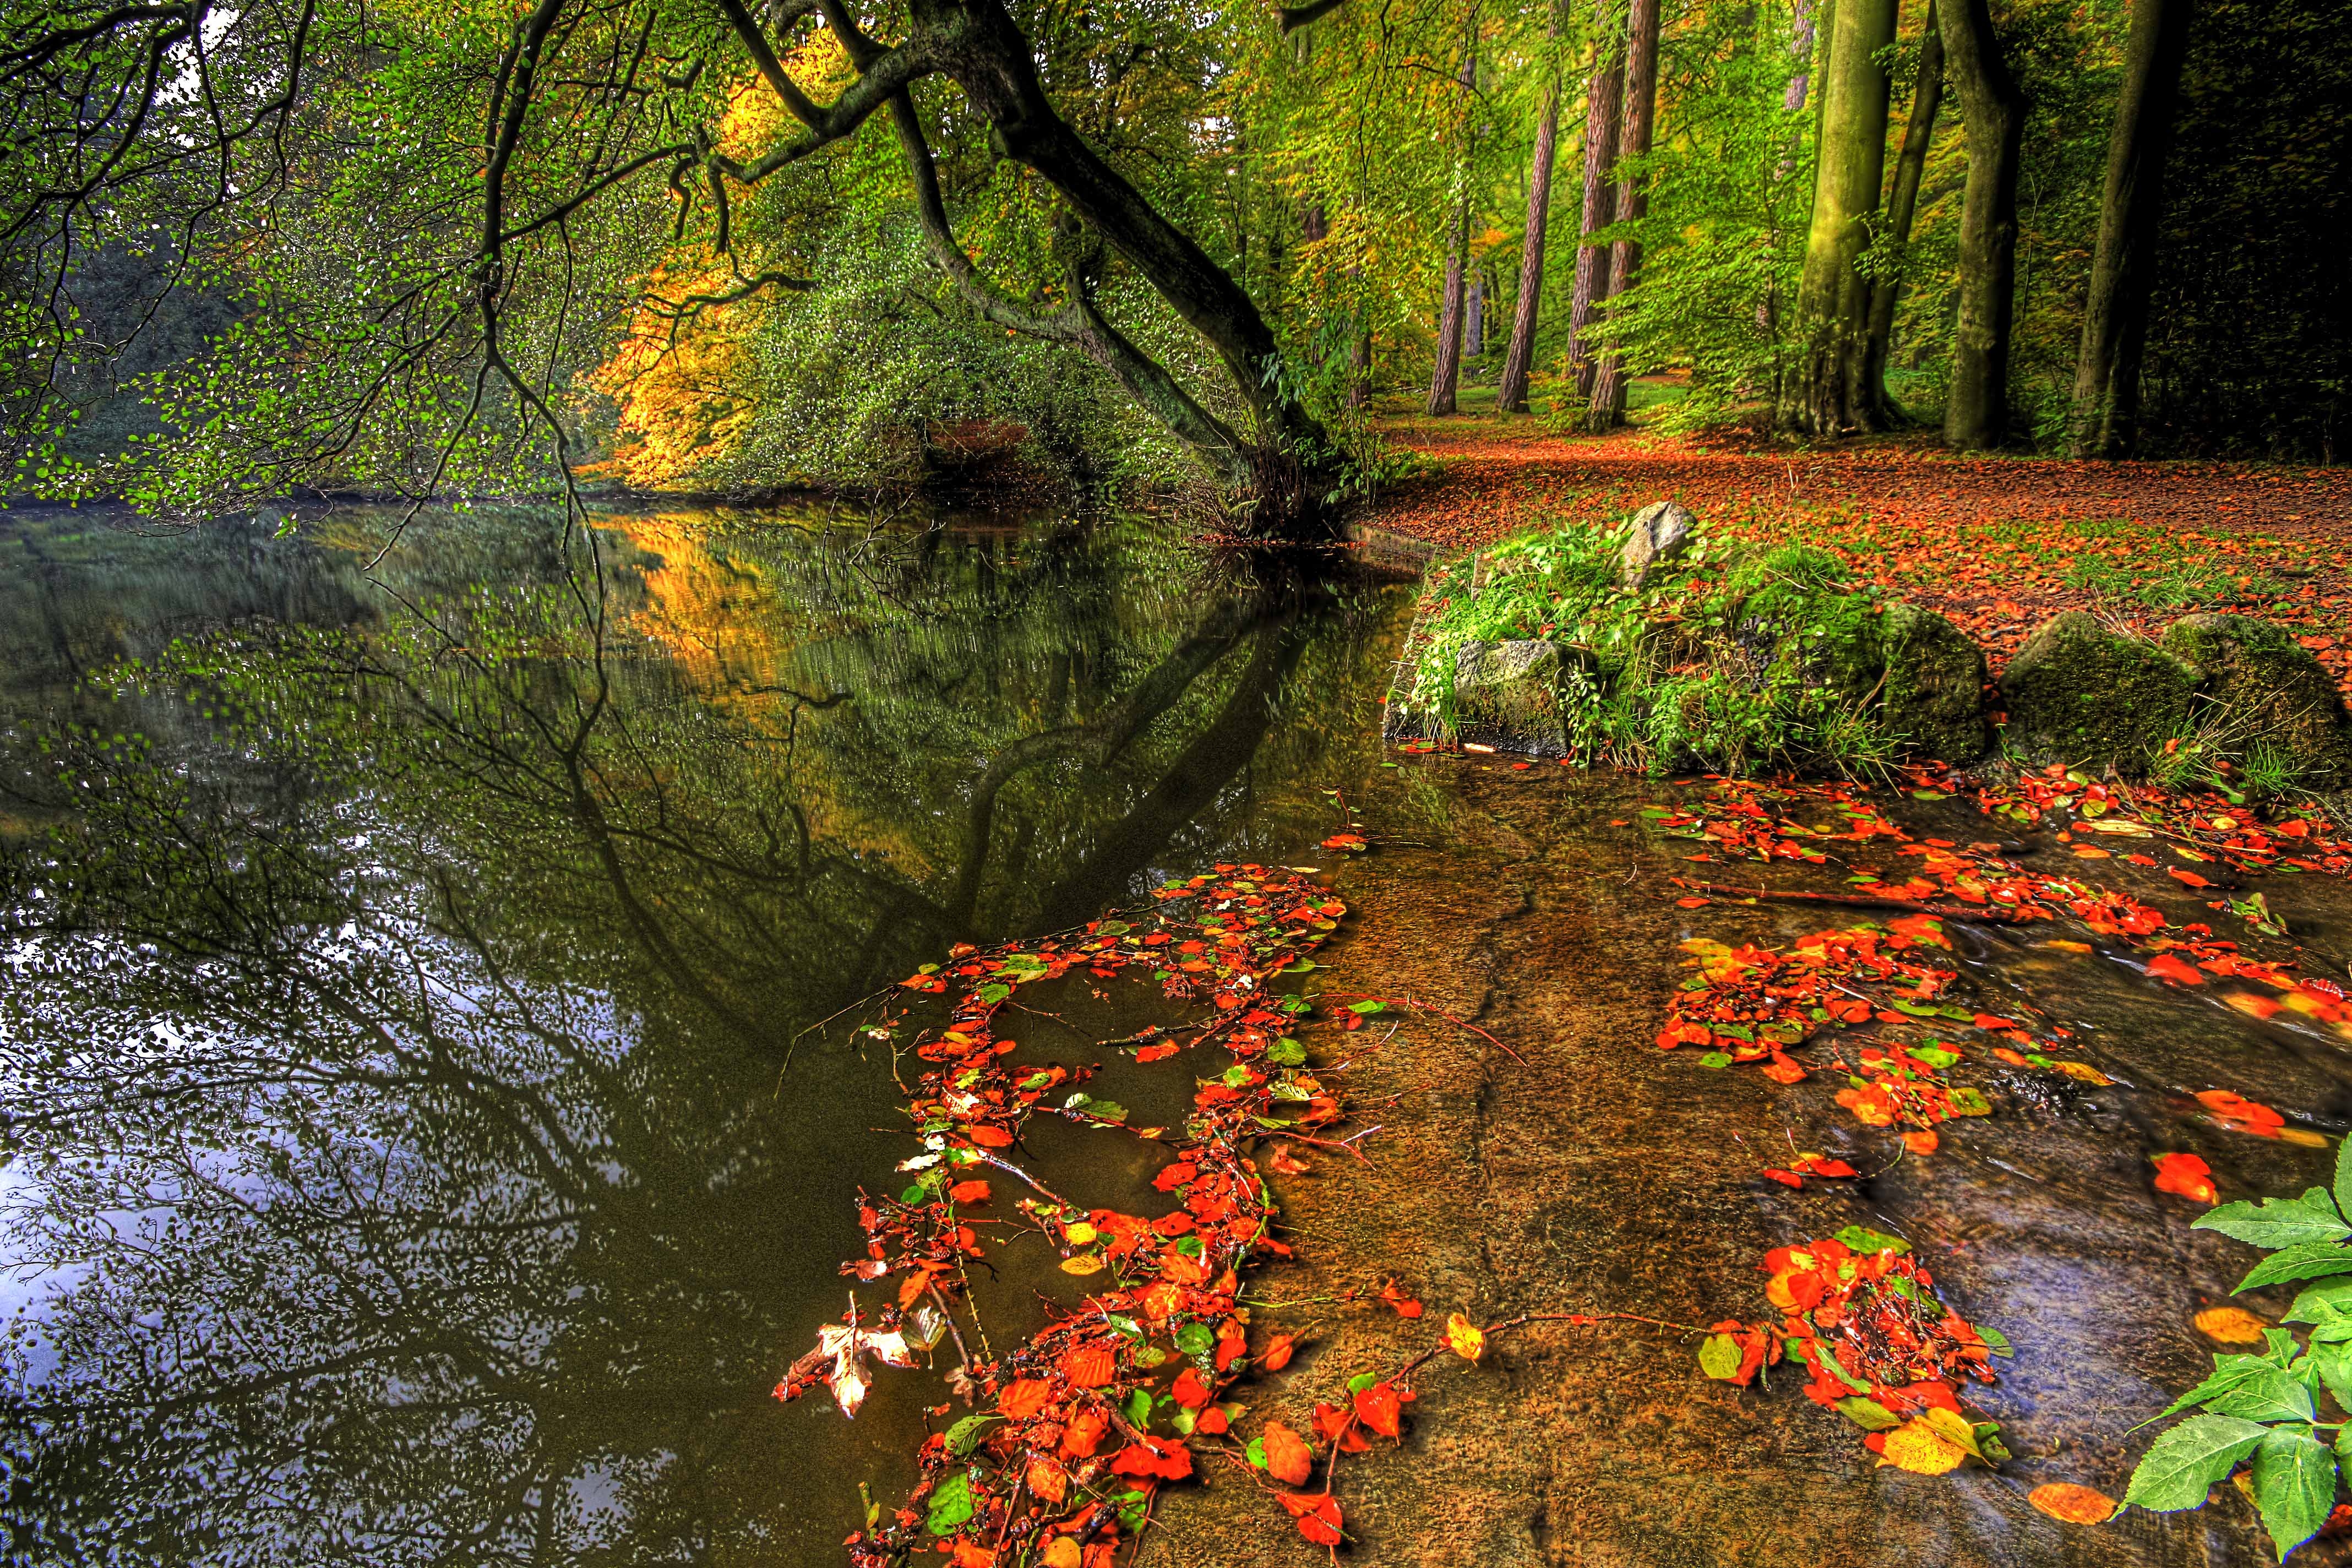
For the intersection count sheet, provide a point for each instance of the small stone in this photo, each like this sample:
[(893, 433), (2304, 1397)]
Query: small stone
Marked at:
[(1934, 693), (1661, 532), (2081, 695), (2266, 687)]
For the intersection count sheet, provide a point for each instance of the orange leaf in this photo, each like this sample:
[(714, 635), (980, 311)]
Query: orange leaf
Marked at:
[(1318, 1517), (1288, 1460), (1088, 1366), (1025, 1398), (2164, 966), (1277, 1352), (2065, 1501), (1378, 1407), (969, 1193), (990, 1136), (2187, 1176)]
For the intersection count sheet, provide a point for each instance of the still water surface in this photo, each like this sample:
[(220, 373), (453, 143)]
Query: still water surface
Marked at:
[(411, 1155)]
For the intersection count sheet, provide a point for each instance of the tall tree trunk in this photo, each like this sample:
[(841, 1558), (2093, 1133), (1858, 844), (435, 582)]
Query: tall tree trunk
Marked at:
[(1902, 204), (1992, 113), (1359, 362), (1474, 330), (2114, 323), (1511, 395), (1447, 374), (1824, 397), (1606, 407), (1603, 105)]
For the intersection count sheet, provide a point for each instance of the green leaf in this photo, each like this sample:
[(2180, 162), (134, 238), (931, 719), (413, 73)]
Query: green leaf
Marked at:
[(951, 1505), (2294, 1485), (2278, 1223), (1995, 1341), (2334, 1363), (2344, 1176), (2182, 1465), (1255, 1452), (1934, 1056), (1366, 1008), (995, 992), (1969, 1102), (1868, 1413), (1719, 1356), (1714, 1059), (1287, 1053), (2250, 1386), (1861, 1238), (2305, 1260), (964, 1435), (2313, 1305), (1194, 1339), (1362, 1381), (1138, 1408)]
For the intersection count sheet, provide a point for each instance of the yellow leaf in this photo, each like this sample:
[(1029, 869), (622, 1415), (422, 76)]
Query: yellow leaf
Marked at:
[(2303, 1137), (2072, 1504), (1084, 1263), (1921, 1449), (1063, 1554), (2083, 1072), (2231, 1325), (1081, 1233), (1463, 1338), (2070, 946)]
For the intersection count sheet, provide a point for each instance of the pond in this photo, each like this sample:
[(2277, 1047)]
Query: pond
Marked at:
[(436, 1103)]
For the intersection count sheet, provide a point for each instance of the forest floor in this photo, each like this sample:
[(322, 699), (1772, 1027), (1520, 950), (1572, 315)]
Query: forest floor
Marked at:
[(1998, 544)]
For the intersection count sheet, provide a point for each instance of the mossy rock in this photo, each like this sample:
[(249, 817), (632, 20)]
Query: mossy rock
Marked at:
[(1933, 694), (2081, 695), (2267, 687), (1511, 695)]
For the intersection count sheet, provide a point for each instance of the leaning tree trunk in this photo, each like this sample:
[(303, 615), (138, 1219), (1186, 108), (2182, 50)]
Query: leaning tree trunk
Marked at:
[(2114, 323), (1511, 395), (1603, 103), (1447, 376), (1605, 409), (1992, 114), (1823, 397), (1902, 204)]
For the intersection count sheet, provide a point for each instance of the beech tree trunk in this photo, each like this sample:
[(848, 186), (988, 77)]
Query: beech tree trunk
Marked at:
[(1992, 114), (1474, 328), (1603, 105), (1825, 395), (1605, 409), (1518, 359), (2114, 322), (1447, 374), (1902, 204)]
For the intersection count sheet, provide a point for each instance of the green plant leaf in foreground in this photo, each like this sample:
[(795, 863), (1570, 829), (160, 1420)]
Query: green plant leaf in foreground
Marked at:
[(2308, 1260), (2278, 1223), (2251, 1387), (2294, 1485), (2182, 1465)]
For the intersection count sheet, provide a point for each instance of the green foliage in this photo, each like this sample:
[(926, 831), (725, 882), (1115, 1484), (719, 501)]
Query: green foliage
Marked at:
[(1732, 657), (2266, 1407)]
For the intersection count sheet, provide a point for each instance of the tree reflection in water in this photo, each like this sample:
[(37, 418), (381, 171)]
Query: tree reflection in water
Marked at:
[(404, 1165)]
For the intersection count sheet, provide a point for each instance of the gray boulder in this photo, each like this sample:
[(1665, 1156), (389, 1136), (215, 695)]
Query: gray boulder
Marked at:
[(1660, 532), (2080, 694), (2267, 687), (1934, 691), (1512, 695)]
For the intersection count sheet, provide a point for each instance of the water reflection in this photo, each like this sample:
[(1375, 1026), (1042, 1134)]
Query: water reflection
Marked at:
[(404, 1162)]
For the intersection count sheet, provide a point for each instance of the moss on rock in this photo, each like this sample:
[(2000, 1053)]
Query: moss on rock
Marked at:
[(2081, 695), (2267, 691), (1934, 696)]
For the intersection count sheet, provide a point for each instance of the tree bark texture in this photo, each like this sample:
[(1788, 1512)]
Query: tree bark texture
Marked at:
[(1902, 204), (1518, 359), (2114, 321), (1825, 397), (1605, 409), (1447, 374), (1992, 115), (1603, 105)]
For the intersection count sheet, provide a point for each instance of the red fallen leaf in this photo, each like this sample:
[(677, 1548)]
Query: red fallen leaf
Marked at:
[(1214, 1421), (1288, 1460), (969, 1193), (1088, 1366), (1283, 1162), (1151, 1456), (1171, 1177), (1025, 1398), (1993, 1021), (988, 1135), (1277, 1355), (1379, 1408), (1084, 1434), (2245, 1115), (1188, 1391), (2187, 1176), (1339, 1427), (2191, 878), (2164, 966), (1318, 1517), (1047, 1479), (1692, 903), (1786, 1178), (2141, 860), (1780, 1069), (1406, 1306), (1232, 1341), (1828, 1168), (970, 1555), (1155, 1053)]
